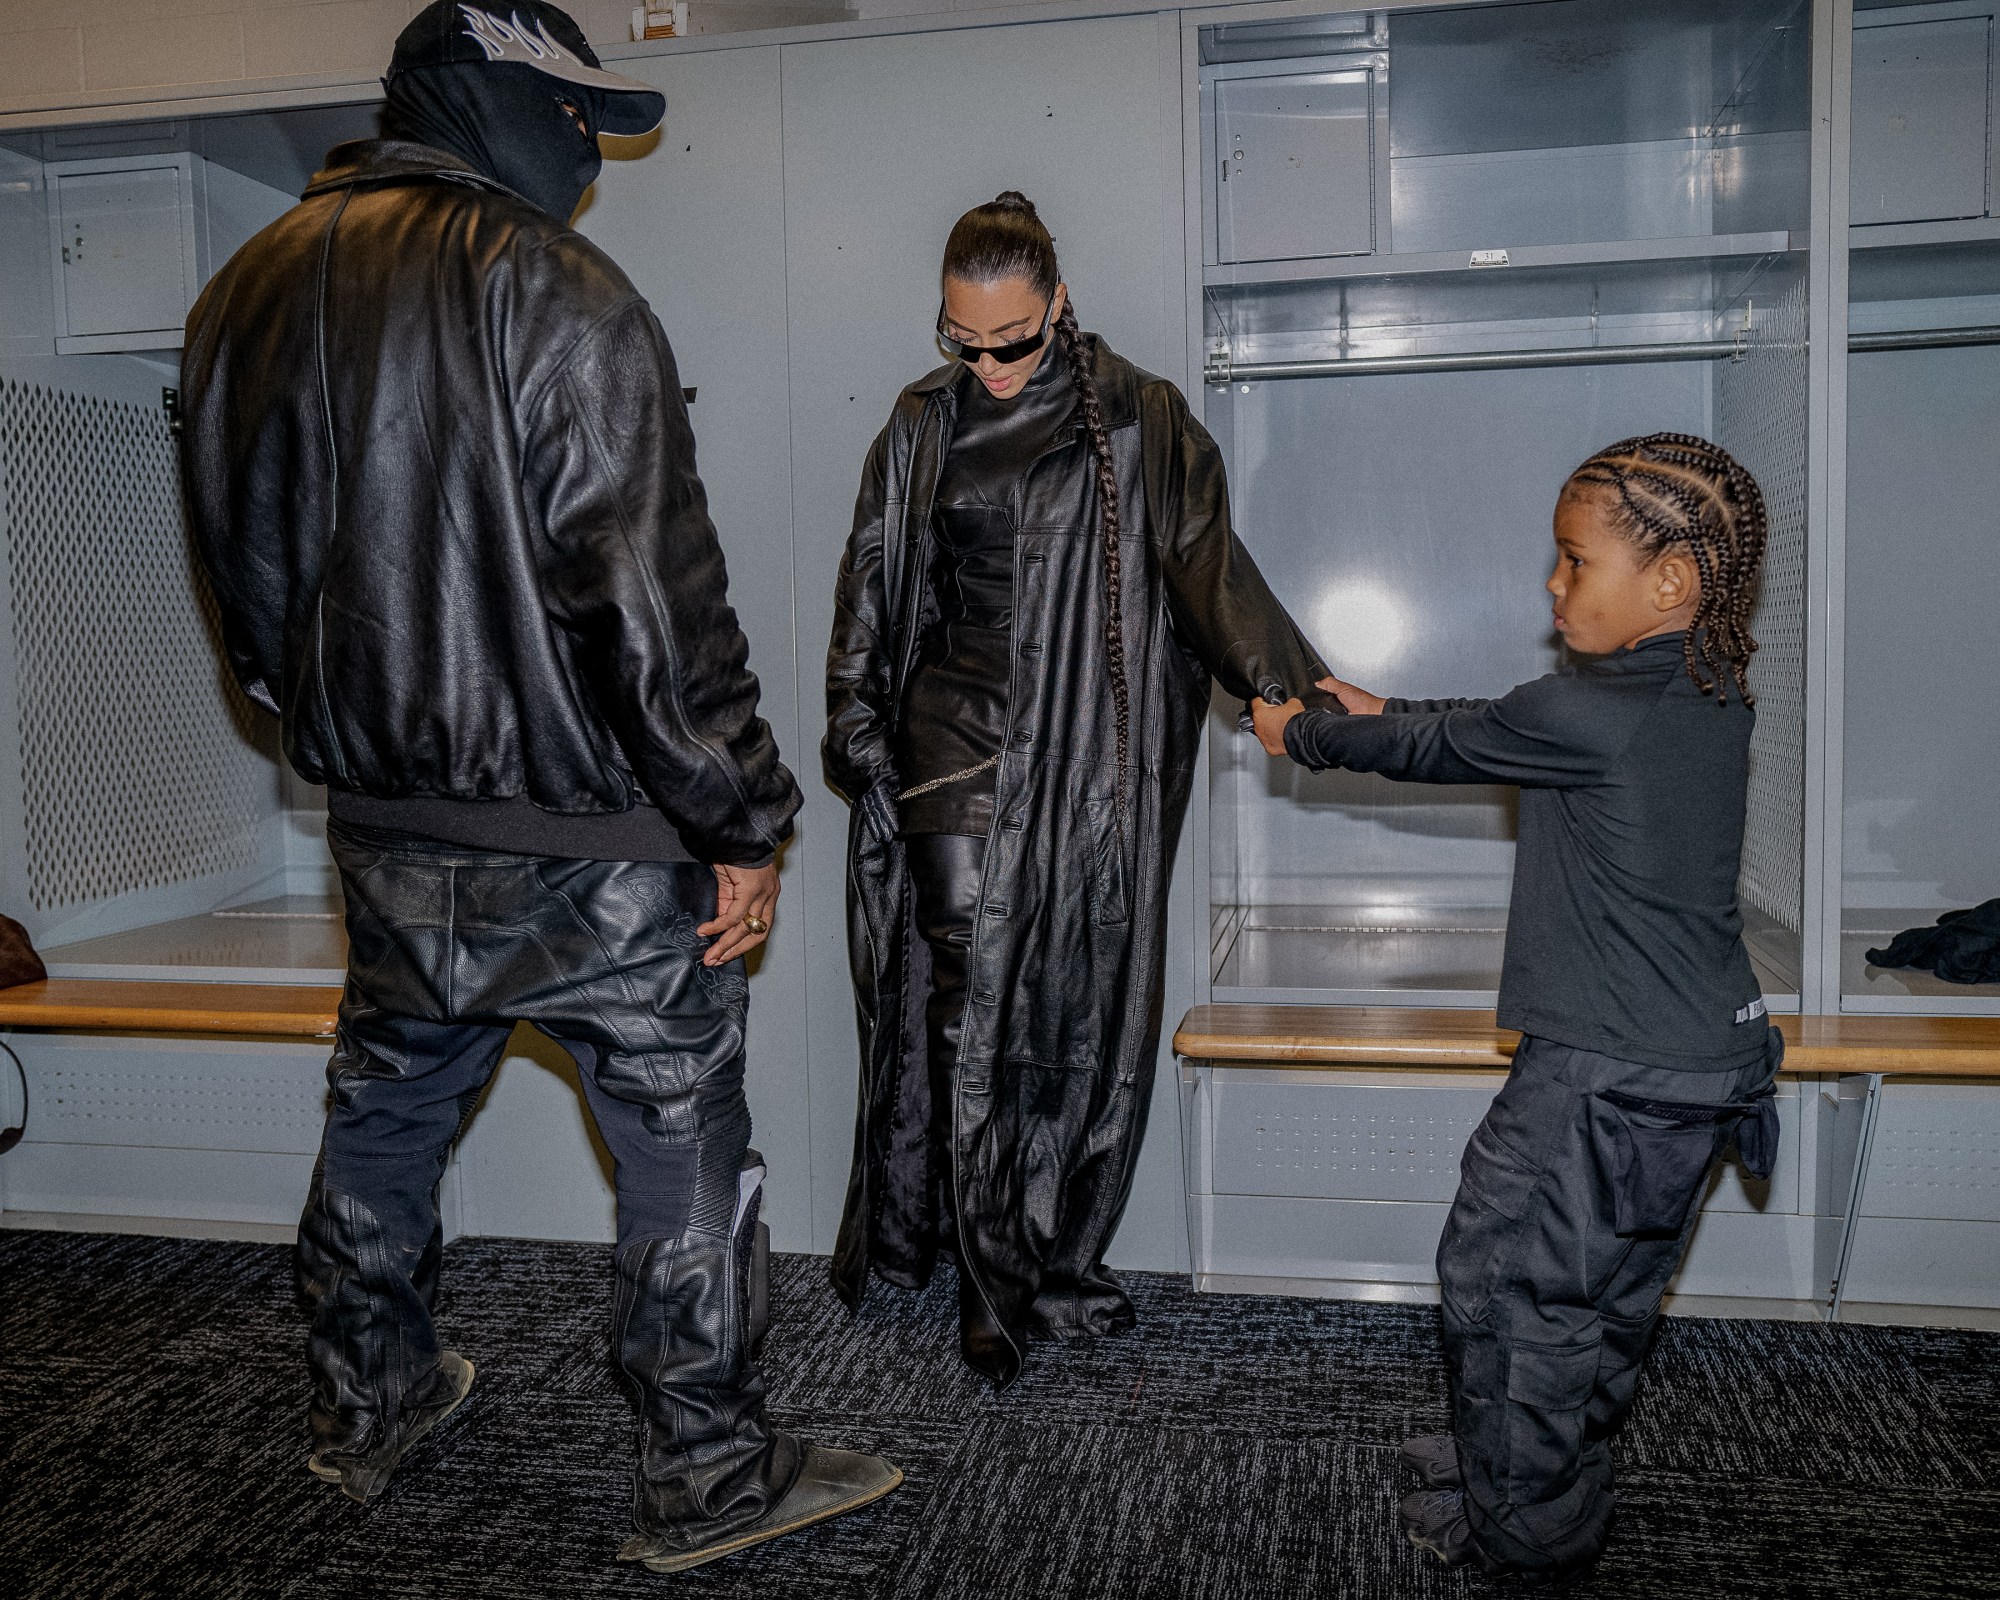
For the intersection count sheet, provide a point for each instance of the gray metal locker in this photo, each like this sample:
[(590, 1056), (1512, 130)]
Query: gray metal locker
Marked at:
[(127, 251), (1922, 98), (1296, 162)]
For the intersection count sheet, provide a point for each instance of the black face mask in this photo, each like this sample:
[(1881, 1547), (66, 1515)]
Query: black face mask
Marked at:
[(504, 120)]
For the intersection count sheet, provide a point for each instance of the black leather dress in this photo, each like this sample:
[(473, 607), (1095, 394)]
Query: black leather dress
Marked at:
[(955, 708), (955, 711)]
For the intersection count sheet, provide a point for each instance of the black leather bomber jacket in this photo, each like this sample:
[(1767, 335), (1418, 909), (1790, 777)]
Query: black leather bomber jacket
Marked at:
[(441, 476)]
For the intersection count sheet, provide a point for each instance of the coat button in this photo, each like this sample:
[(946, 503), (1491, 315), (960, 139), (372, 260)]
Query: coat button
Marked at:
[(1023, 740), (985, 997)]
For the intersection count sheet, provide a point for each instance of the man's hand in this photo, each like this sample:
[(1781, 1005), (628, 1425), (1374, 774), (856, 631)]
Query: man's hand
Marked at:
[(746, 899), (1359, 702), (1270, 720)]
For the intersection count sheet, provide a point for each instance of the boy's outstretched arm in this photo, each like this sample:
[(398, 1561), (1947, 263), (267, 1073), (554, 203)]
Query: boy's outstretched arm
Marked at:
[(1528, 737)]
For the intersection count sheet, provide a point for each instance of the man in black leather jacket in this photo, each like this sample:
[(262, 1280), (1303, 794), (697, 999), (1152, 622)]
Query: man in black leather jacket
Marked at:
[(442, 479)]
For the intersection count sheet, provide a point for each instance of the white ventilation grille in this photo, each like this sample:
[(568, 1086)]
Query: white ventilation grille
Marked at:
[(1760, 418), (135, 771)]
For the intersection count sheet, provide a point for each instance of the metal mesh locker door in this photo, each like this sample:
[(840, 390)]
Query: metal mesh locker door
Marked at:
[(136, 766)]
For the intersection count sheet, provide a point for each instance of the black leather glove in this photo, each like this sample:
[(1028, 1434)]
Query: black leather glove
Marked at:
[(1313, 696), (878, 812)]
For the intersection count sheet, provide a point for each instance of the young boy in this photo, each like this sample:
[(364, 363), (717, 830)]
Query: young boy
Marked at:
[(1645, 1042)]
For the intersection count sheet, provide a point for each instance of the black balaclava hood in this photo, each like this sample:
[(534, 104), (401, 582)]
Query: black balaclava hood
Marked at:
[(504, 120)]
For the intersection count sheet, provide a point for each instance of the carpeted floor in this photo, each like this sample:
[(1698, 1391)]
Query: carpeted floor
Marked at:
[(152, 1444)]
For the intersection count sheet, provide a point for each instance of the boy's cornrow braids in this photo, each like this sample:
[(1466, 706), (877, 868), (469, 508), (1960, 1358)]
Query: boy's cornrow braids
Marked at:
[(1681, 489), (1081, 352)]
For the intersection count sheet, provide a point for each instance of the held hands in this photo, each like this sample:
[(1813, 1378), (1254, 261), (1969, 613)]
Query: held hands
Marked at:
[(746, 898), (1357, 701), (1269, 721)]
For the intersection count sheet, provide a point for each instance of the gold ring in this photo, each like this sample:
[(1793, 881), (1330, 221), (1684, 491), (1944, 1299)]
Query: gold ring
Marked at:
[(756, 925)]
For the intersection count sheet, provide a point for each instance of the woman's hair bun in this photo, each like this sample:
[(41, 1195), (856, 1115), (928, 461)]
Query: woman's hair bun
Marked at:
[(1013, 200)]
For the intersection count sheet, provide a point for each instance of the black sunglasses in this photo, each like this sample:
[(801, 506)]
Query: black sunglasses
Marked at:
[(1002, 353)]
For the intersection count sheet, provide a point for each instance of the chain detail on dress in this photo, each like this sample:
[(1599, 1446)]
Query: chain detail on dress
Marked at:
[(949, 778)]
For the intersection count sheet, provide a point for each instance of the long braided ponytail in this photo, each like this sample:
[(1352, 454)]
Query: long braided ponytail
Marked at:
[(1677, 489), (1005, 238)]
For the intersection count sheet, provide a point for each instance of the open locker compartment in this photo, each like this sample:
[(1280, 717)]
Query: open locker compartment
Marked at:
[(1398, 424), (150, 828), (1922, 583)]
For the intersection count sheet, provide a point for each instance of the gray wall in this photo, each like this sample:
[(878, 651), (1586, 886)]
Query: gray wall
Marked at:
[(699, 224), (1923, 656)]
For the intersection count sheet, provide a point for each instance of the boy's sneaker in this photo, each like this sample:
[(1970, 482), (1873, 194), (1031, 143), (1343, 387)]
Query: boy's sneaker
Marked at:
[(1434, 1458), (830, 1484), (362, 1477), (1435, 1520)]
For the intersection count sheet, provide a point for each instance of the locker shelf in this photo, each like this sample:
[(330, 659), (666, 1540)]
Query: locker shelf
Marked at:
[(1905, 235), (1375, 954), (1869, 988), (1623, 297), (1517, 259), (292, 939)]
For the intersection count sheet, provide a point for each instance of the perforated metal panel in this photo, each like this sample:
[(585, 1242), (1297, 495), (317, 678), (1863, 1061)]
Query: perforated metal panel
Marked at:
[(135, 770), (1760, 417), (176, 1096), (1343, 1142), (1936, 1154)]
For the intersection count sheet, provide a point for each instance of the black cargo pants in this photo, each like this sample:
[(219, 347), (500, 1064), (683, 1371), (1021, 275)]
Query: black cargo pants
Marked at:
[(448, 947), (1576, 1199)]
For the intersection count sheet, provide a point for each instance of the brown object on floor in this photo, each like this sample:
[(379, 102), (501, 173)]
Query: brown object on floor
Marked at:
[(18, 961)]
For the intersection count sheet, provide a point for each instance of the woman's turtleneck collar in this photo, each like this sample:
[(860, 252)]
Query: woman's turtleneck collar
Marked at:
[(1047, 387)]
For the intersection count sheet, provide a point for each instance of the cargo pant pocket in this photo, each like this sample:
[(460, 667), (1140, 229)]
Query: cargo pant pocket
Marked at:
[(1549, 1390), (1480, 1230), (1552, 1377), (1654, 1155)]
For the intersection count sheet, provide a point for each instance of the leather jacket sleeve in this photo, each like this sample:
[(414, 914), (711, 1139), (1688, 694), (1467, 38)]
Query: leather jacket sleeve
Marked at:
[(860, 670), (239, 536), (1222, 609), (634, 572)]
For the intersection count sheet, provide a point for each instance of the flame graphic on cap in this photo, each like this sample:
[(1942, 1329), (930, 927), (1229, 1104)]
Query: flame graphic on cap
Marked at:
[(515, 41)]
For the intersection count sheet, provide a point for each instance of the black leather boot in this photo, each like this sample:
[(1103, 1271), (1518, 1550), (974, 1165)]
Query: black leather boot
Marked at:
[(983, 1342), (714, 1476), (366, 1474), (682, 1331), (829, 1484), (380, 1380)]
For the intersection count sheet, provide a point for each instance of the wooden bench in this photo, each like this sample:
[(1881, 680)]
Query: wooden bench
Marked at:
[(227, 1010), (1863, 1051), (1400, 1036)]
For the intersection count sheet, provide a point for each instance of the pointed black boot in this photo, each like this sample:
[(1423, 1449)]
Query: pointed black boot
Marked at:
[(983, 1344)]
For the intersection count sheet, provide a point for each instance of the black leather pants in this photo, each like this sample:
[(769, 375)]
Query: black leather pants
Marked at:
[(945, 873), (448, 947)]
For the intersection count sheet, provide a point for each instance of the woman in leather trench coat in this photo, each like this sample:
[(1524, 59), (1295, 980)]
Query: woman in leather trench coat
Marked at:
[(1041, 581)]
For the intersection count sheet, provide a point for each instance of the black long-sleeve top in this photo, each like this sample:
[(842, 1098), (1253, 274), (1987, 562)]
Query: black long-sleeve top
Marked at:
[(1624, 934)]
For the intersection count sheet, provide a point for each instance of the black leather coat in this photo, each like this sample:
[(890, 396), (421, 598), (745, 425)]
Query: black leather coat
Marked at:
[(441, 476), (1062, 1021)]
